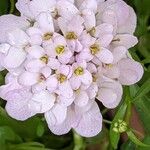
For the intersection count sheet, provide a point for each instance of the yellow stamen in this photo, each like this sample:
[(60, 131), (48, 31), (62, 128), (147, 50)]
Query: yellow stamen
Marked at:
[(47, 36), (94, 78), (94, 49), (92, 31), (79, 71), (44, 59), (71, 36), (109, 65), (60, 49), (61, 78)]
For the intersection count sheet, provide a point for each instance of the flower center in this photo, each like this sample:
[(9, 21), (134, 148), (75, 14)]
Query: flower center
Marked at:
[(47, 36), (71, 36), (94, 78), (92, 31), (42, 78), (79, 71), (109, 66), (60, 49), (61, 78), (44, 59), (94, 49)]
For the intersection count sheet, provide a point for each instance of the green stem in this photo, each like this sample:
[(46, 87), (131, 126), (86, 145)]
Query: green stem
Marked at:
[(12, 6), (79, 143), (104, 111), (107, 121)]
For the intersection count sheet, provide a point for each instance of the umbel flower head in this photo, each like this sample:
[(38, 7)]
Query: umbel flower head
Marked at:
[(61, 55)]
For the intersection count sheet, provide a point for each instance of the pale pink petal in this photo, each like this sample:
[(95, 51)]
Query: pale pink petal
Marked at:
[(75, 83), (130, 71), (112, 72), (119, 53), (92, 90), (35, 51), (105, 40), (43, 99), (130, 24), (53, 63), (23, 7), (38, 87), (89, 18), (65, 57), (4, 48), (68, 10), (81, 98), (91, 122), (9, 23), (65, 127), (58, 113), (103, 29), (51, 83), (38, 6), (18, 37), (17, 107), (45, 22), (46, 71), (114, 89), (65, 89), (105, 56), (75, 25), (107, 97), (35, 40), (125, 40), (65, 101), (28, 78), (65, 70), (14, 58), (88, 4), (34, 65), (86, 78)]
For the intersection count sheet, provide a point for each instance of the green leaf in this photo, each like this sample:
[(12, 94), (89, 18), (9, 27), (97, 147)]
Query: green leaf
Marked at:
[(147, 141), (26, 129), (128, 145), (144, 89), (142, 107), (114, 137), (4, 4), (135, 140)]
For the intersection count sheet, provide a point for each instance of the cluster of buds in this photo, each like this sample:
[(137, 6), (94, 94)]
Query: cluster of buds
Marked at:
[(61, 55)]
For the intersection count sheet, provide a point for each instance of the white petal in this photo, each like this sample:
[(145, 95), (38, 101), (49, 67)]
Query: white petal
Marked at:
[(105, 56), (65, 127), (65, 89), (17, 107), (81, 98), (43, 99), (38, 6), (56, 115), (14, 58), (18, 37), (125, 40), (91, 122), (68, 10), (45, 22), (9, 23), (23, 7), (28, 78), (130, 71)]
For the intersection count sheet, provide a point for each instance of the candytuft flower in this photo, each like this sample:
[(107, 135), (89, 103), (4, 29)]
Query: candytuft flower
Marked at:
[(61, 55)]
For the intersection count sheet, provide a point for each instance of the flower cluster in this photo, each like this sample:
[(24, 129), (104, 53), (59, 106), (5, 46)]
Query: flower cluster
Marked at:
[(61, 55)]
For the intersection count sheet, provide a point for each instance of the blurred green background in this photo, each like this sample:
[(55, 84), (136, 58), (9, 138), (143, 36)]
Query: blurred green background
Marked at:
[(33, 134)]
